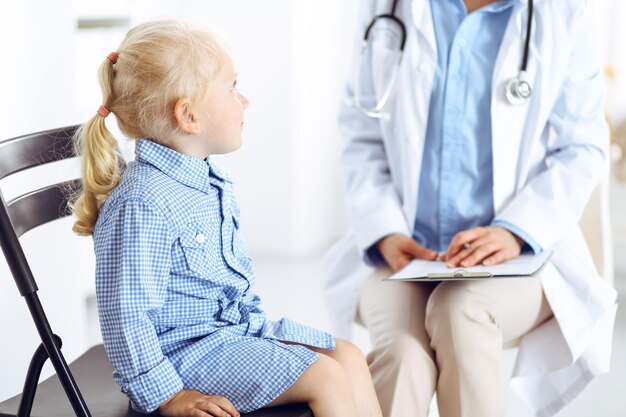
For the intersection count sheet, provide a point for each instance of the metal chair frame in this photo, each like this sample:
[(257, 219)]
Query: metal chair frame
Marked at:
[(27, 212)]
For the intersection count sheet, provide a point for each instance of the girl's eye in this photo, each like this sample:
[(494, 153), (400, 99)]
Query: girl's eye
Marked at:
[(234, 88)]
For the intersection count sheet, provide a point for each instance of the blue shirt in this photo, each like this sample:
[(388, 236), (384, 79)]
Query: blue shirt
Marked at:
[(174, 290), (456, 182)]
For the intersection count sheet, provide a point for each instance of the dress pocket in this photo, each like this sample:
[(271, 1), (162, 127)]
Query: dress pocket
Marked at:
[(239, 246), (197, 248)]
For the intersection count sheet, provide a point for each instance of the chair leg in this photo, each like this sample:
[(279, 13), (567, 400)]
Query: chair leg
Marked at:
[(32, 378)]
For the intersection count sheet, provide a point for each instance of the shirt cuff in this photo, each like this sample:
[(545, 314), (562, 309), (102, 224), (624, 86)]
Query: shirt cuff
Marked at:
[(530, 243), (148, 391)]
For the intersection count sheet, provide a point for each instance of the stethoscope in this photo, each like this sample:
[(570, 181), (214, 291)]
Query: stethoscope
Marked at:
[(518, 89)]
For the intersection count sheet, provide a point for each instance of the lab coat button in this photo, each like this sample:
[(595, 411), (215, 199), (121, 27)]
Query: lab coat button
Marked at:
[(200, 238), (423, 68)]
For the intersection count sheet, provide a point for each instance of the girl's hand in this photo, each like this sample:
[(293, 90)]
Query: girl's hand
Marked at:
[(398, 250), (189, 403), (490, 245)]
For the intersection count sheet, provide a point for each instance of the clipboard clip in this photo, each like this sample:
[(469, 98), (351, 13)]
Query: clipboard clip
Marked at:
[(458, 274)]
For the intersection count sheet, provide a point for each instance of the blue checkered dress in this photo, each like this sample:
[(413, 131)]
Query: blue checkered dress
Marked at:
[(174, 288)]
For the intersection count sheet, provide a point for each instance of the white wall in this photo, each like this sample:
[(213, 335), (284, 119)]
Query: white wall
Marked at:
[(36, 66)]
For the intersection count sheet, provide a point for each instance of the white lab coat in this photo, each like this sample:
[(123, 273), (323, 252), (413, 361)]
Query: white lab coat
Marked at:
[(548, 155)]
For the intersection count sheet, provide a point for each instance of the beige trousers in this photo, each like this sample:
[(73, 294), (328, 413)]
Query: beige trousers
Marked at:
[(447, 338)]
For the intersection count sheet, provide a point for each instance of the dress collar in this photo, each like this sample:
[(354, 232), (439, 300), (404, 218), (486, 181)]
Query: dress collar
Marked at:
[(189, 170)]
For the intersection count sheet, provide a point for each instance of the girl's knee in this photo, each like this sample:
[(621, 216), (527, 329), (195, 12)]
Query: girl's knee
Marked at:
[(328, 388), (348, 355), (347, 348), (323, 380), (330, 376)]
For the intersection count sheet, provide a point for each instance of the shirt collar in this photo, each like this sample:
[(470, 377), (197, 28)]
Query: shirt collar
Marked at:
[(500, 5), (188, 170), (494, 7)]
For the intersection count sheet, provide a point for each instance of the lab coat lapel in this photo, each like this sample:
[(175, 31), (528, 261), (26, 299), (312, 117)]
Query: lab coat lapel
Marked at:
[(508, 122), (417, 71), (423, 21)]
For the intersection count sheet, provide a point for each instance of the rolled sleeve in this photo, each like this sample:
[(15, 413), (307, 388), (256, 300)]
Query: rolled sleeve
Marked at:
[(373, 257), (147, 391)]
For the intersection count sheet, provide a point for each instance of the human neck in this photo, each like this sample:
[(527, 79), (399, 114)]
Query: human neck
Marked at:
[(473, 5)]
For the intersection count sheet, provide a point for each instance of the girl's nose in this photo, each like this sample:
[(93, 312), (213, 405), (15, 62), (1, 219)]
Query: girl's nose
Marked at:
[(244, 101)]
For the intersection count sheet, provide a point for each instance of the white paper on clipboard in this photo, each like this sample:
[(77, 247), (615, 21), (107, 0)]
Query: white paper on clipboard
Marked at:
[(524, 265)]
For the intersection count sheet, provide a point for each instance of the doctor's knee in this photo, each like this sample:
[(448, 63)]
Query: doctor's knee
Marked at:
[(453, 309)]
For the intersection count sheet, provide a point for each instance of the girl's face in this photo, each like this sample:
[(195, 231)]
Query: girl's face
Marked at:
[(220, 113)]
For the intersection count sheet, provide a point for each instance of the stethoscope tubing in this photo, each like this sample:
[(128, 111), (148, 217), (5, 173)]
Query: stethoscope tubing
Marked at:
[(518, 90)]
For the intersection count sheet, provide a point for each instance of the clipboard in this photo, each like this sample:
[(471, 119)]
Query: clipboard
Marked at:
[(525, 265)]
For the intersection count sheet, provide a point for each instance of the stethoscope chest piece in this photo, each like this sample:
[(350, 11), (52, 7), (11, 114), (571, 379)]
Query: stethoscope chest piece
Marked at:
[(518, 91)]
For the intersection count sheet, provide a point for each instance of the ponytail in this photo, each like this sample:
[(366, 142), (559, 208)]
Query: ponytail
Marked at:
[(101, 157)]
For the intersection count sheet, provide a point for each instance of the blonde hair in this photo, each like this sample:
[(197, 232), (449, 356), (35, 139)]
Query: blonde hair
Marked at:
[(157, 63)]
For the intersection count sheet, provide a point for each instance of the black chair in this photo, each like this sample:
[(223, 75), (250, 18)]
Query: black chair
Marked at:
[(98, 395)]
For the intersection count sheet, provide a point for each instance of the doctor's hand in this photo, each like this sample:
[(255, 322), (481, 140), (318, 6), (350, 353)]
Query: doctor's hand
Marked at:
[(488, 245), (398, 250), (190, 403)]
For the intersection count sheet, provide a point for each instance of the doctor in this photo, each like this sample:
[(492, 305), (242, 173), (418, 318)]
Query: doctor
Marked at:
[(487, 141)]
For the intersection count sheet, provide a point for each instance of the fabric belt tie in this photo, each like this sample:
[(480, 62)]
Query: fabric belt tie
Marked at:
[(234, 312)]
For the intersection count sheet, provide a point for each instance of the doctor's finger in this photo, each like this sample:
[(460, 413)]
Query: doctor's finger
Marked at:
[(498, 257), (459, 240), (469, 251), (455, 254), (399, 262), (479, 253), (503, 255), (415, 250), (454, 261)]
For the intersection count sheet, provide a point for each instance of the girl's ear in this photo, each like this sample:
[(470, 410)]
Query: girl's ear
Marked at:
[(185, 118)]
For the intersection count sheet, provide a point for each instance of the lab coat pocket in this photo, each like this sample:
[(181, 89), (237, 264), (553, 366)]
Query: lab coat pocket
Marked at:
[(196, 247)]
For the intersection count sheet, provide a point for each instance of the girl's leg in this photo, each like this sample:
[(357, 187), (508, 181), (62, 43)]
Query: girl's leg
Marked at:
[(401, 361), (468, 323), (325, 387), (353, 363)]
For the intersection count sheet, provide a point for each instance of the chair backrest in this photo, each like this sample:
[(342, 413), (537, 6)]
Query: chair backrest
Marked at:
[(28, 211), (33, 209)]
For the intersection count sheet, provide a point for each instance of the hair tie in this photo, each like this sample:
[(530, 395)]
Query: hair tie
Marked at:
[(103, 111), (113, 57)]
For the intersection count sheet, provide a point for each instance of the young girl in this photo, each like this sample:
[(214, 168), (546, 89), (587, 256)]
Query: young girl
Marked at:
[(180, 323)]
